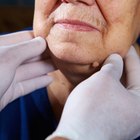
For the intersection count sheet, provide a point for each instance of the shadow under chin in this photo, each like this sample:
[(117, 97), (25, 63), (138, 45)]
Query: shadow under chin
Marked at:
[(76, 77)]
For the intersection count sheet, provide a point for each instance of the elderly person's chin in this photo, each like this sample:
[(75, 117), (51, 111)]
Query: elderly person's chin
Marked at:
[(75, 53), (79, 54)]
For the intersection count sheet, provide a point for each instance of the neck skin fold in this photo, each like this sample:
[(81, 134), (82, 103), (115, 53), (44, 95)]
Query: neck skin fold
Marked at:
[(65, 80)]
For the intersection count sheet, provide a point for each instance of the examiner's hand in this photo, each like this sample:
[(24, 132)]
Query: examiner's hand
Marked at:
[(21, 70), (101, 108)]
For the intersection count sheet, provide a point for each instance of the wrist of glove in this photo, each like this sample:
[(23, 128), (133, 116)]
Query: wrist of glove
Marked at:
[(77, 126), (69, 131)]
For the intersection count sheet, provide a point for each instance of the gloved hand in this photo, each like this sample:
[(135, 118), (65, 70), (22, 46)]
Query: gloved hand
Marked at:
[(19, 74), (101, 108)]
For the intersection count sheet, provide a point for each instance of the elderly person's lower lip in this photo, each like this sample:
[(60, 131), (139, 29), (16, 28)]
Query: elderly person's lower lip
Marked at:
[(75, 25)]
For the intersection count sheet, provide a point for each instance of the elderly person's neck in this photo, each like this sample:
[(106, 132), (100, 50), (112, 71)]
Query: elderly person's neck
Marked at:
[(65, 79), (75, 72)]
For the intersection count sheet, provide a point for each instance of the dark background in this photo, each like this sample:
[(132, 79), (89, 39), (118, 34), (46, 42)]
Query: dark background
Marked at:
[(15, 15)]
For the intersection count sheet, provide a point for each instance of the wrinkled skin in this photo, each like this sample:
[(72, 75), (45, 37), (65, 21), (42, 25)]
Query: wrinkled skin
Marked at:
[(117, 23), (79, 54)]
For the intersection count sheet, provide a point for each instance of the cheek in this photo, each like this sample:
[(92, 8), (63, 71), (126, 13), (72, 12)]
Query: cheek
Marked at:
[(118, 41), (42, 20), (111, 9), (121, 24), (116, 11)]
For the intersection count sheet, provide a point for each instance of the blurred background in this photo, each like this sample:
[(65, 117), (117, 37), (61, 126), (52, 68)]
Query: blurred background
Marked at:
[(15, 15)]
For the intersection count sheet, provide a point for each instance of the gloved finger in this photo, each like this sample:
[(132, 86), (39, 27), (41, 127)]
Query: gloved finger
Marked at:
[(24, 88), (29, 86), (19, 53), (15, 38), (113, 66), (35, 59), (33, 70), (42, 21), (44, 56), (132, 64)]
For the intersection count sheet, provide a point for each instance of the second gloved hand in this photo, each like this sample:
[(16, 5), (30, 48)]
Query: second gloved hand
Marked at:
[(101, 108), (20, 76)]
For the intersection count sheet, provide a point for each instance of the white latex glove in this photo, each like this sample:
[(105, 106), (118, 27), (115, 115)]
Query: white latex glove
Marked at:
[(19, 74), (101, 108)]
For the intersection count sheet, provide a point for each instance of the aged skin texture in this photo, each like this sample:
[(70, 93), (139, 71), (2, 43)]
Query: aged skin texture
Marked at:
[(81, 34)]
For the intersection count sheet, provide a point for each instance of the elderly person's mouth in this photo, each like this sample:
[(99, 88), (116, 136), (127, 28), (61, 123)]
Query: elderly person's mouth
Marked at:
[(75, 25)]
